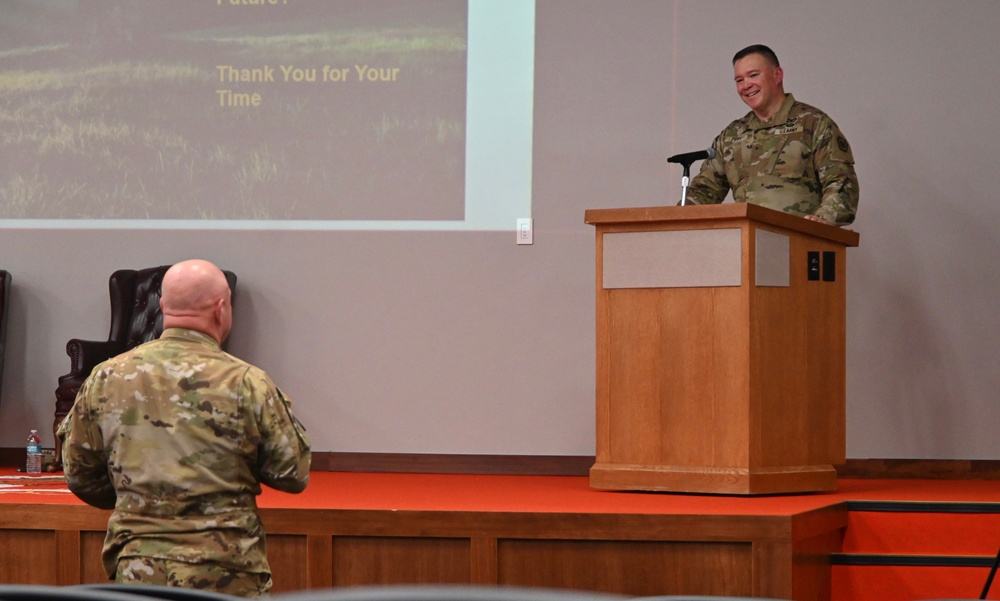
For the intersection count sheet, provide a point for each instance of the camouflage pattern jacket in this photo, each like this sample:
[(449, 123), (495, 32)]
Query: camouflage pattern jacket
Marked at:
[(797, 161), (177, 435)]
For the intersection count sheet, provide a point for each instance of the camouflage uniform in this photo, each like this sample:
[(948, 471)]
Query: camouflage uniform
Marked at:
[(202, 576), (797, 161), (177, 435)]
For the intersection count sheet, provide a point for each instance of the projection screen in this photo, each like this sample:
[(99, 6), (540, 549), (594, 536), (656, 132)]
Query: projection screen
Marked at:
[(276, 114)]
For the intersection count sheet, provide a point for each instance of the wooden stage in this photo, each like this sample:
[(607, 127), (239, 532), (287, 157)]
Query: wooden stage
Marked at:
[(538, 531)]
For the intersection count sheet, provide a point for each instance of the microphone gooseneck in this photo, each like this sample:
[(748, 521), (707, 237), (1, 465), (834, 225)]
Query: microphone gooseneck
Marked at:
[(685, 159)]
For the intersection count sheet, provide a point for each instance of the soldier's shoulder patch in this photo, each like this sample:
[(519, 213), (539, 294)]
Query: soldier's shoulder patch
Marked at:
[(842, 144)]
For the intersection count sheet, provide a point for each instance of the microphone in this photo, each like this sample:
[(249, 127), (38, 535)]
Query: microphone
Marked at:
[(687, 158)]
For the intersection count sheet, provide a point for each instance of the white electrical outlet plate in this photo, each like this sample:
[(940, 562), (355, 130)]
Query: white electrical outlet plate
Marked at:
[(525, 235)]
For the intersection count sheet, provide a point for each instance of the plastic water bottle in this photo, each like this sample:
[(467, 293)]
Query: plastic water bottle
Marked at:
[(34, 452)]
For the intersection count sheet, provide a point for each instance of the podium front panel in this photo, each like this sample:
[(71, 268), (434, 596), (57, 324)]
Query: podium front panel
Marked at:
[(673, 259)]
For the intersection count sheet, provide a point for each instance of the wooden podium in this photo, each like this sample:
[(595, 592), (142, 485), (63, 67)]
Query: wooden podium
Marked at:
[(720, 350)]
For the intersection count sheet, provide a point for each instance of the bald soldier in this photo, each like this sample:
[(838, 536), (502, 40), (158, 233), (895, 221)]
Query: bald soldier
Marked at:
[(177, 436), (784, 154)]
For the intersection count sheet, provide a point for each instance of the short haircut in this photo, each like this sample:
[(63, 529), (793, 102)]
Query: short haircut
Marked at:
[(760, 49)]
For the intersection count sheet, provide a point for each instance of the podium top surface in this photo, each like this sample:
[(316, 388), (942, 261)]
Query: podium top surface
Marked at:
[(721, 212)]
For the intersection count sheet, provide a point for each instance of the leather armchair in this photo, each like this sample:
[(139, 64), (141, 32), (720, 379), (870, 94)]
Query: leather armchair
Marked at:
[(135, 319), (5, 280)]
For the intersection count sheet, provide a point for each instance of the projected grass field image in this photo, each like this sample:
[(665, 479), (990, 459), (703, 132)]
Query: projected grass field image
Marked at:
[(302, 110)]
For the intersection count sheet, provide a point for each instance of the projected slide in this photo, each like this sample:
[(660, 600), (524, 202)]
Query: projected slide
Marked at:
[(308, 113)]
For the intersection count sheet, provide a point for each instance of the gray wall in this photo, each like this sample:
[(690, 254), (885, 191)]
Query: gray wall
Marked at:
[(463, 342)]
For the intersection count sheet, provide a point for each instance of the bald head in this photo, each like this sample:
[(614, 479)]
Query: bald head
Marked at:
[(196, 295)]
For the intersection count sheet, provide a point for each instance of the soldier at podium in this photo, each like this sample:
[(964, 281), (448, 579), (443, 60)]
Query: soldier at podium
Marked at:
[(784, 154)]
